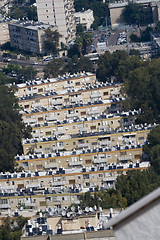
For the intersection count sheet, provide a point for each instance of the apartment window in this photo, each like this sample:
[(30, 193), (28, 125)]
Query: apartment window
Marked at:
[(141, 138), (48, 133), (47, 149), (4, 201), (40, 90), (72, 181), (74, 127), (77, 83), (93, 127), (123, 153), (83, 113), (105, 93), (46, 10), (88, 161), (100, 175), (86, 176), (39, 166), (26, 106), (138, 156), (94, 143), (40, 119), (52, 160), (47, 17)]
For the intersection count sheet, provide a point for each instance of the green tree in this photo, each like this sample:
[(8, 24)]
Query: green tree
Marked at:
[(76, 64), (134, 52), (51, 41), (31, 13), (83, 42), (12, 129), (79, 29), (135, 13), (10, 230), (108, 64), (54, 68)]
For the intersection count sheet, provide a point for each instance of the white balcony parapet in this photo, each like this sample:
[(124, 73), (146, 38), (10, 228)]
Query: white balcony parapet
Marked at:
[(51, 165), (104, 143), (58, 183), (76, 163), (125, 158), (101, 160), (83, 145)]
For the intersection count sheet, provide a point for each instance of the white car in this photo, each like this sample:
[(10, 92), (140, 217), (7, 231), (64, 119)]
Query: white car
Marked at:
[(34, 63)]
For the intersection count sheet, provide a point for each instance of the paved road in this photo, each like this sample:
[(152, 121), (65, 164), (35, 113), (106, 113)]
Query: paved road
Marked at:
[(39, 66)]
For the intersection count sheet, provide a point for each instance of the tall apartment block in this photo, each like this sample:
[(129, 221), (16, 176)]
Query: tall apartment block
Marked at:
[(60, 13)]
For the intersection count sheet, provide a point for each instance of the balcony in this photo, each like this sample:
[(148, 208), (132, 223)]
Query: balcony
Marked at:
[(4, 206), (51, 118), (51, 165), (96, 95), (60, 183), (72, 115), (83, 145), (76, 99), (93, 112), (105, 143), (58, 148), (83, 129), (125, 158), (57, 102), (100, 160), (29, 204), (109, 178), (76, 163), (68, 85)]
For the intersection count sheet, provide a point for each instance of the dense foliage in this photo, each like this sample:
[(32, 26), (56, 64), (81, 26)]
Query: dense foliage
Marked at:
[(12, 129), (73, 65), (145, 36), (12, 229), (18, 74), (152, 148), (100, 10), (82, 44), (135, 13), (140, 81), (104, 199), (23, 9), (51, 41)]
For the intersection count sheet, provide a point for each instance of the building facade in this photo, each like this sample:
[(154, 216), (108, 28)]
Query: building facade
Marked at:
[(28, 36), (85, 18), (59, 13)]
